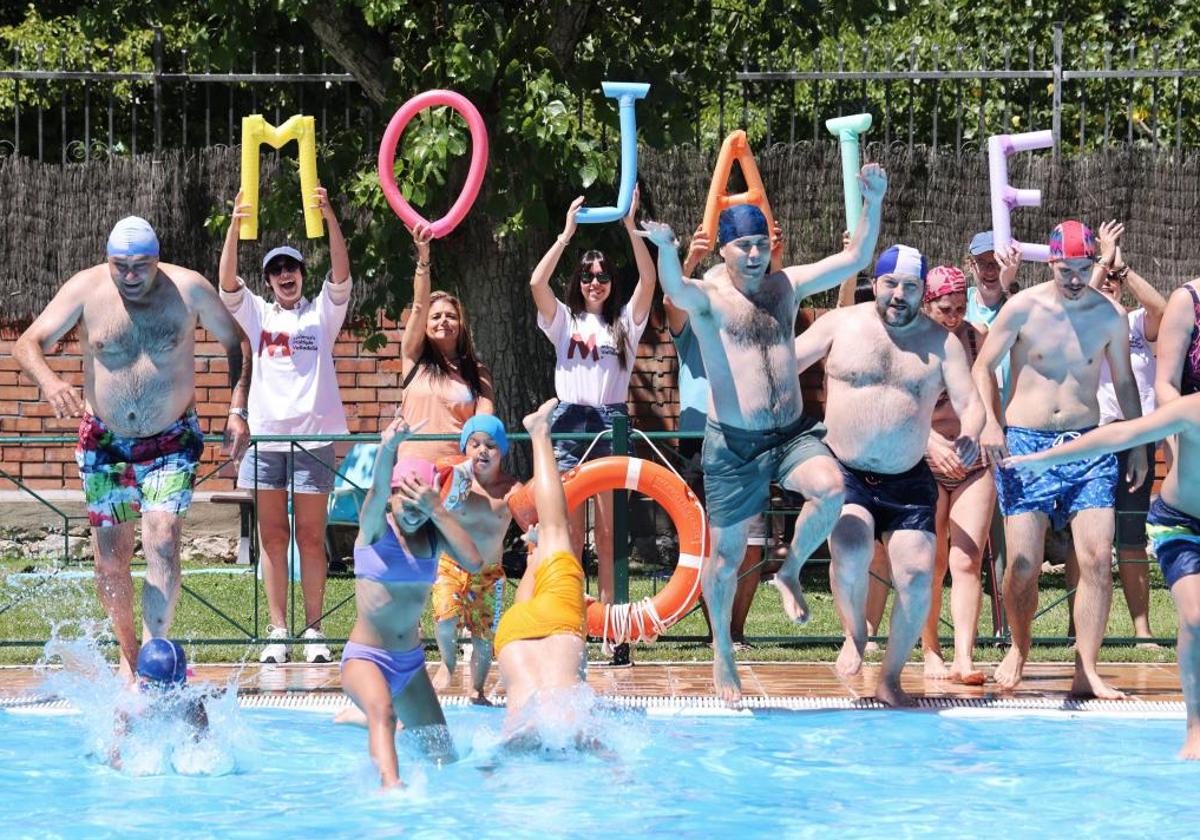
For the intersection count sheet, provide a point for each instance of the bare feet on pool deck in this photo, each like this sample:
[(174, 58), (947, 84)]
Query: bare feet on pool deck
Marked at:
[(891, 694), (540, 419), (849, 661), (794, 604), (1010, 670), (1090, 685), (442, 678), (935, 666), (968, 676), (725, 678)]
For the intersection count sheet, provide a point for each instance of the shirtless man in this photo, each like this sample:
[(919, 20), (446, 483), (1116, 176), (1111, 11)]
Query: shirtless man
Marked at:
[(744, 317), (1059, 333), (139, 437), (540, 642), (888, 363), (1173, 523), (478, 499)]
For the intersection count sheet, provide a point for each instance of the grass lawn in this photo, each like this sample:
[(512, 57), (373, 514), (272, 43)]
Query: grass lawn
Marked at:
[(31, 606)]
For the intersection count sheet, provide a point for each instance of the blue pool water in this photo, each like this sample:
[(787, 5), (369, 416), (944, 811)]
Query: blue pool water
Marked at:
[(797, 774)]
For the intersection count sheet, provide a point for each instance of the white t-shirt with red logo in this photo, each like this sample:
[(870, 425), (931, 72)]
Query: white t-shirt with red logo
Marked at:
[(589, 371), (293, 386)]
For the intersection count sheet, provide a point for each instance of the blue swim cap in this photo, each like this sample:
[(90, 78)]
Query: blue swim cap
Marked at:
[(132, 237), (741, 220), (490, 425), (162, 661)]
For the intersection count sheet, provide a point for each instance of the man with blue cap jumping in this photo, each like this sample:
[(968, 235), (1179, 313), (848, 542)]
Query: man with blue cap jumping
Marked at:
[(887, 364), (743, 317), (139, 435)]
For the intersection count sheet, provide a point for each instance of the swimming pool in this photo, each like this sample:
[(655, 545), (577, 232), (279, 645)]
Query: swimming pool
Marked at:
[(788, 774)]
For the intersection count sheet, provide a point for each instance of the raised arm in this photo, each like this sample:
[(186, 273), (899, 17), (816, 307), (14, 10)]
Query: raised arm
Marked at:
[(413, 342), (849, 286), (227, 268), (339, 258), (56, 320), (1116, 437), (370, 517), (814, 342), (643, 293), (685, 293), (1001, 336), (215, 318), (825, 274), (698, 248), (1148, 297), (539, 282)]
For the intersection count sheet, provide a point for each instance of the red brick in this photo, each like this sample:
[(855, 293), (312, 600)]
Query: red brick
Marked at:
[(9, 407), (19, 392), (19, 424), (219, 364), (209, 348), (391, 366), (212, 409), (215, 380), (357, 395), (41, 470), (345, 380), (65, 364), (52, 483), (35, 409), (26, 453), (378, 380), (7, 362), (357, 365)]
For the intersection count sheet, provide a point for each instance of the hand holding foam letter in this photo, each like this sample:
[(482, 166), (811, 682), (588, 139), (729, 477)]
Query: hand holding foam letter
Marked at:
[(847, 130)]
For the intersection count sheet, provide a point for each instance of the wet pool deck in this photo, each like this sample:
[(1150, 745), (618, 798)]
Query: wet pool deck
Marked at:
[(765, 681)]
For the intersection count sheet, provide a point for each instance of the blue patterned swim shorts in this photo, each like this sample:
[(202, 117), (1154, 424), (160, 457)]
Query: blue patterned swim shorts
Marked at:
[(1061, 491)]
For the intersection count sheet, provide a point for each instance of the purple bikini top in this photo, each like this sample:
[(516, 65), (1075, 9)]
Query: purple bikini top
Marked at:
[(387, 561)]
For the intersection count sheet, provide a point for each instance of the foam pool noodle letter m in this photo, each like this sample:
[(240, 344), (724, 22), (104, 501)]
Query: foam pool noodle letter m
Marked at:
[(255, 132), (735, 147), (626, 93), (1005, 198), (847, 131)]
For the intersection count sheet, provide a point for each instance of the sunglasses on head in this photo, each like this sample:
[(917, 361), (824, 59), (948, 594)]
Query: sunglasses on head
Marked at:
[(602, 279), (277, 267)]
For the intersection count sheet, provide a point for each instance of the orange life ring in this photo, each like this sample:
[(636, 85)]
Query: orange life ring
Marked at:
[(682, 591)]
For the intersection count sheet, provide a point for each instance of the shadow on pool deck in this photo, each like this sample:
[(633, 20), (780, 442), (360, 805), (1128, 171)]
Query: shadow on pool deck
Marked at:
[(1043, 681)]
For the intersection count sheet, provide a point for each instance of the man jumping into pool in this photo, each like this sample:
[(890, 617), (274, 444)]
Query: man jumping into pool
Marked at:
[(1173, 523), (887, 366), (540, 640), (139, 437), (1059, 332), (743, 318)]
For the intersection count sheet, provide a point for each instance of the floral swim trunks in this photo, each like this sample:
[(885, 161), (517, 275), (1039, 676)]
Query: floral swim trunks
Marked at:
[(472, 598), (123, 477)]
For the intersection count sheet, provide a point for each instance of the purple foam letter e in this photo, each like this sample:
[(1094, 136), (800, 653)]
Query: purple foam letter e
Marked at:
[(1005, 197)]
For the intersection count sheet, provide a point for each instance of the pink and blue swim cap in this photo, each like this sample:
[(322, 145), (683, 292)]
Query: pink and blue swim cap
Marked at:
[(1072, 241), (132, 237)]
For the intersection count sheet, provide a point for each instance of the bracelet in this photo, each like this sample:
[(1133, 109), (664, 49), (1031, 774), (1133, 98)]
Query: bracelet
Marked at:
[(562, 241), (422, 264), (1118, 274), (240, 412)]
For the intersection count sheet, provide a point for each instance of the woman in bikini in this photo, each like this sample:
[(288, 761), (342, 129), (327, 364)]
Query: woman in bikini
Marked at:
[(395, 564), (966, 497)]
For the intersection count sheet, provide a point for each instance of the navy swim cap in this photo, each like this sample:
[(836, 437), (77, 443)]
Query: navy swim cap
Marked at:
[(741, 220), (162, 661)]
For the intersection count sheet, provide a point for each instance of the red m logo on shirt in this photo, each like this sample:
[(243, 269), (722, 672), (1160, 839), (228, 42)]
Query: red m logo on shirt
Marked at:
[(274, 344), (585, 347)]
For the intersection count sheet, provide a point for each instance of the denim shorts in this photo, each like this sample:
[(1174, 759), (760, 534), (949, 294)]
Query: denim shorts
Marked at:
[(589, 420), (311, 467)]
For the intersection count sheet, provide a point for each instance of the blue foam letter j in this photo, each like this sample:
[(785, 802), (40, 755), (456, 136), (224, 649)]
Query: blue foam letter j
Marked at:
[(626, 93)]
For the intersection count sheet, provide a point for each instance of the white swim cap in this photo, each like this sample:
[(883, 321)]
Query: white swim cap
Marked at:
[(132, 237)]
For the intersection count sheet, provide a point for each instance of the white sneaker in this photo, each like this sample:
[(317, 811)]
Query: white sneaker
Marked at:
[(276, 653), (318, 652)]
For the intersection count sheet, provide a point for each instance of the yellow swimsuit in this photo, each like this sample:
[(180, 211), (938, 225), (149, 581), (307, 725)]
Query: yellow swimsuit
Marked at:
[(557, 605)]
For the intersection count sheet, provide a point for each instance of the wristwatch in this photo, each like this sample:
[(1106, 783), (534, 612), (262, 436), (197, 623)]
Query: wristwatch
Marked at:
[(240, 412)]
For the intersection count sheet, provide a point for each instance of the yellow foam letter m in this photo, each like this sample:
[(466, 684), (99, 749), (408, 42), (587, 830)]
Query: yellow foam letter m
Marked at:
[(255, 132)]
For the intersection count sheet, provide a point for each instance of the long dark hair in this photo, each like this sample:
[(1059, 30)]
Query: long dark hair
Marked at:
[(468, 363), (610, 314)]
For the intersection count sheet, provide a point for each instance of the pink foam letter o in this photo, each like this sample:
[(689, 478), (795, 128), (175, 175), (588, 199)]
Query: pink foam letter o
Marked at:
[(479, 154)]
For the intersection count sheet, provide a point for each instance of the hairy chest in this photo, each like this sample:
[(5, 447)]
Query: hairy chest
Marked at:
[(763, 319), (861, 363), (120, 335)]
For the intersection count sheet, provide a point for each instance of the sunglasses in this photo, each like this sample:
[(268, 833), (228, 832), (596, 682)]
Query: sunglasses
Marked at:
[(602, 279), (277, 267)]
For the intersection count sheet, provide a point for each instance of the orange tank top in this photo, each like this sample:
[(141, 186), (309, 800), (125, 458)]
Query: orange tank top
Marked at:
[(446, 402)]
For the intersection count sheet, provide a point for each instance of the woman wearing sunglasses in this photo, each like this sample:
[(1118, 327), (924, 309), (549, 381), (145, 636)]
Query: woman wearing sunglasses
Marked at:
[(595, 339), (293, 391)]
